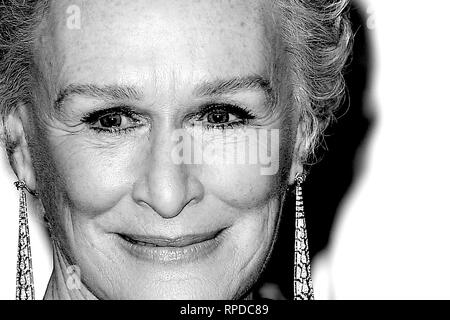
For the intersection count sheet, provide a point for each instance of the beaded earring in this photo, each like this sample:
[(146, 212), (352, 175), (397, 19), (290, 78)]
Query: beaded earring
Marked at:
[(303, 288), (24, 276)]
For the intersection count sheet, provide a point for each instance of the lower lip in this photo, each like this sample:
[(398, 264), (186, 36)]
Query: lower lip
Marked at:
[(167, 255)]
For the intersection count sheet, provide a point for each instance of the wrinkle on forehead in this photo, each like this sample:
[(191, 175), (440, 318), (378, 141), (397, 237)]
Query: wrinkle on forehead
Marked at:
[(219, 20)]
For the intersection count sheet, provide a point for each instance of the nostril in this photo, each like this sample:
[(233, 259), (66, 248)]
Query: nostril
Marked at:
[(168, 197), (166, 203)]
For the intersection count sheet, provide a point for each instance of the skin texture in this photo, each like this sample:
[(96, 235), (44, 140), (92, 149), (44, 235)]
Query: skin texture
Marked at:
[(95, 185)]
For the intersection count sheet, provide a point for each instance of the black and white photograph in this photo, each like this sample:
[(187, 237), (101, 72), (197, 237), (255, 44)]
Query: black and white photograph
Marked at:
[(230, 150)]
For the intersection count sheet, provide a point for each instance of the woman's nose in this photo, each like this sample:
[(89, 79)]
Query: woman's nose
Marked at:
[(166, 186)]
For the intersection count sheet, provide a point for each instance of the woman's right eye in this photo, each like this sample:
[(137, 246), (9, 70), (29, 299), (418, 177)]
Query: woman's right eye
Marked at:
[(114, 120), (111, 120)]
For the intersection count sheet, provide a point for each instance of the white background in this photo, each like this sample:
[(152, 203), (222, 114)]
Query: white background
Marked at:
[(392, 236)]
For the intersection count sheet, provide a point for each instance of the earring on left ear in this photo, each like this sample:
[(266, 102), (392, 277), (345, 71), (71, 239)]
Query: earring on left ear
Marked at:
[(303, 287), (24, 276)]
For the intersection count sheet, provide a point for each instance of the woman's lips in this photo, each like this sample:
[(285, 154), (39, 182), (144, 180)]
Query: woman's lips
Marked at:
[(181, 241), (182, 249)]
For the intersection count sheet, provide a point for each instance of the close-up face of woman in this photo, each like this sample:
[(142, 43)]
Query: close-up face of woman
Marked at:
[(159, 138), (218, 150), (114, 93)]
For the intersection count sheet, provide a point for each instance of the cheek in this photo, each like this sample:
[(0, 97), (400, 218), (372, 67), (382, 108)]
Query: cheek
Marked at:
[(241, 186), (254, 181), (260, 161), (93, 178)]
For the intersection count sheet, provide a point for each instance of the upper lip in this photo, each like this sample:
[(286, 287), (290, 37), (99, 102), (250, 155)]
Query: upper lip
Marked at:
[(180, 241)]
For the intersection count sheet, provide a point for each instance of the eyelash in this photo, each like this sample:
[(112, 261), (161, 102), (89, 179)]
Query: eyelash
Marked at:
[(244, 114), (92, 118)]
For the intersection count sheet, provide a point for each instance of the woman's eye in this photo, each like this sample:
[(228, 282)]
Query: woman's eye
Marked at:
[(114, 120), (111, 120), (219, 116), (224, 116)]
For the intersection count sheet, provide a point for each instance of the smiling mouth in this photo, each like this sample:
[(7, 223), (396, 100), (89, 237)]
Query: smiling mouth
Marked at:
[(183, 249), (178, 242)]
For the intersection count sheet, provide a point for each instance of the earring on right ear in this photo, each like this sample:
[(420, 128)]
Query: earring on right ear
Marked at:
[(303, 287), (24, 277)]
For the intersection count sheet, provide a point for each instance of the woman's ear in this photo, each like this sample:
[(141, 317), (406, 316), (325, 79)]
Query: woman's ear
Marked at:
[(17, 145), (300, 151)]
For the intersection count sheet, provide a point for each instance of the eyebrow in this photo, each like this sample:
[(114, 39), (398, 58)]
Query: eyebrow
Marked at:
[(108, 92), (221, 87), (207, 88)]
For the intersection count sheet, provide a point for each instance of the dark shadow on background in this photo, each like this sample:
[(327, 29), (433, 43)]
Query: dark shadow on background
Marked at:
[(330, 179)]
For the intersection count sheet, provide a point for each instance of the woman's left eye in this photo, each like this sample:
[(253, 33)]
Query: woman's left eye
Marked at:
[(116, 120), (219, 116), (224, 117)]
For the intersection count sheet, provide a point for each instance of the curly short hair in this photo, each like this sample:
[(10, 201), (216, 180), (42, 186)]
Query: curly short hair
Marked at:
[(316, 36), (317, 39), (18, 22)]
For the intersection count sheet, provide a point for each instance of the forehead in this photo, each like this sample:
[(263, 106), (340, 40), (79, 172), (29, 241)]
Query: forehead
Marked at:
[(160, 41)]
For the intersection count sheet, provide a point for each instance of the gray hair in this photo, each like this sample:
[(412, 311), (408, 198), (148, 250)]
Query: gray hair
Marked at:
[(316, 36)]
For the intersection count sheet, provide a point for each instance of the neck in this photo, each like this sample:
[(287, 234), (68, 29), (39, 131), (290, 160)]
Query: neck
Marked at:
[(65, 282)]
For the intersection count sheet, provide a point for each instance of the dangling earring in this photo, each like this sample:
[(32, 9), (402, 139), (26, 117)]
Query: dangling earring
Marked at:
[(303, 288), (24, 277)]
